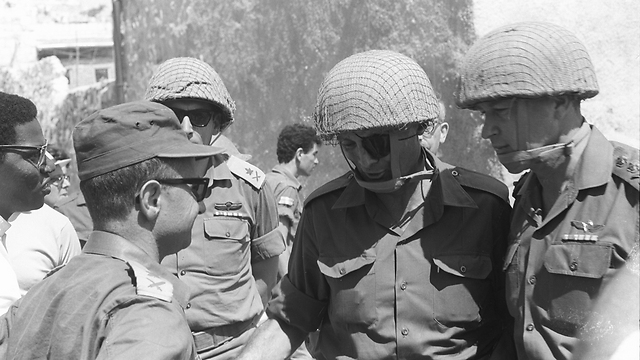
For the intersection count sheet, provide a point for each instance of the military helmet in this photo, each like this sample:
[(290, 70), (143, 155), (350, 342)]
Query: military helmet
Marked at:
[(373, 89), (190, 78), (528, 60)]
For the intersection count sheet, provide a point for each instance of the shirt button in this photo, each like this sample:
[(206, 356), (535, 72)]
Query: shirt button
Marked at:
[(403, 286), (573, 266), (530, 327), (228, 234), (463, 269), (405, 331), (342, 271), (183, 272), (188, 306), (532, 280)]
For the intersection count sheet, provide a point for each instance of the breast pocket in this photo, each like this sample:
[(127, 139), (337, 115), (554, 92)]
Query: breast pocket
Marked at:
[(462, 289), (572, 279), (353, 290), (226, 245)]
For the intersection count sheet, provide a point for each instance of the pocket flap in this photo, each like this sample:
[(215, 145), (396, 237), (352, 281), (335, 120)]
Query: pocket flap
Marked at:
[(586, 260), (336, 268), (225, 228), (468, 266)]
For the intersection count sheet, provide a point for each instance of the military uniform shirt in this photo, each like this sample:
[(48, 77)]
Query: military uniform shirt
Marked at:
[(557, 265), (239, 227), (286, 189), (110, 302), (432, 291)]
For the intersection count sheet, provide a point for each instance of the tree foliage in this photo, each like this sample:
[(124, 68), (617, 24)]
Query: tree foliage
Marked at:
[(273, 55)]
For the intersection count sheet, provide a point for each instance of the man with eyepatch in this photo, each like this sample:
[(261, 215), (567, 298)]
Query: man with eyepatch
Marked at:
[(576, 216), (115, 301), (24, 173), (232, 262), (400, 257)]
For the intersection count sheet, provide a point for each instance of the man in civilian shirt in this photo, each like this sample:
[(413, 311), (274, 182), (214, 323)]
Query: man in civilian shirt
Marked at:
[(115, 301), (400, 257), (24, 176)]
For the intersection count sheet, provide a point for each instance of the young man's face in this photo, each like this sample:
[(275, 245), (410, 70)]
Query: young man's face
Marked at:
[(24, 184), (370, 151), (201, 120), (308, 161), (59, 186)]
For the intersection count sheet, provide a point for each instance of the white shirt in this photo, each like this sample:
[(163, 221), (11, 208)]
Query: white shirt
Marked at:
[(9, 290), (37, 242)]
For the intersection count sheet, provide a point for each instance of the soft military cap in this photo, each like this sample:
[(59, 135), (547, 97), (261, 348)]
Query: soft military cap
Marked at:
[(127, 134), (190, 78), (528, 60), (374, 89)]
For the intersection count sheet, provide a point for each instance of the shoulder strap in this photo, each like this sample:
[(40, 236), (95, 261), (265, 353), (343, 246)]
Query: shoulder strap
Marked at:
[(331, 186), (248, 172), (150, 285), (625, 163), (478, 181)]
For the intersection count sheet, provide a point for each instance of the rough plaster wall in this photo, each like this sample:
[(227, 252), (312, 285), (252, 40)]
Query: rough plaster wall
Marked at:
[(611, 32)]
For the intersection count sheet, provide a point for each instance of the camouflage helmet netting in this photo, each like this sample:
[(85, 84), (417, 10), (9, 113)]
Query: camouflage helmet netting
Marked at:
[(373, 89), (185, 77), (529, 60)]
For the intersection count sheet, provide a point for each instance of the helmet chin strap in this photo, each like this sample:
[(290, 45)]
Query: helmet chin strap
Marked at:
[(397, 180), (520, 160)]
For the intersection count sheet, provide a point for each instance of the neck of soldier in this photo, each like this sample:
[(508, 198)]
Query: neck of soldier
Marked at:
[(137, 234), (556, 174), (292, 167)]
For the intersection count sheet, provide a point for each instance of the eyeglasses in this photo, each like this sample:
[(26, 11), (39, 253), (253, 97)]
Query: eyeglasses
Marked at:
[(198, 117), (429, 128), (377, 145), (198, 186), (36, 155)]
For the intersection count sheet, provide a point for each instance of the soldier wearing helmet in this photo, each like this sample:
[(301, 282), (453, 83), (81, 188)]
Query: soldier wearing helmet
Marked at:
[(400, 256), (576, 211), (232, 261)]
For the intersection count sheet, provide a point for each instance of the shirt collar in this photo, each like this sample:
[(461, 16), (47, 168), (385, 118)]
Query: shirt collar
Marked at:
[(445, 190), (108, 244), (595, 165), (282, 169), (219, 169)]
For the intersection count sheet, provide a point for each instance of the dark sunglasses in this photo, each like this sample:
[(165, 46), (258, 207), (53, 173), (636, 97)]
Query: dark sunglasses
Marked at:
[(198, 186), (377, 145), (36, 155), (198, 117)]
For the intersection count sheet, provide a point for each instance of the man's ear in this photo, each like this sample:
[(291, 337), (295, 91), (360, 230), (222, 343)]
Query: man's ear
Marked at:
[(299, 154), (444, 130), (149, 199)]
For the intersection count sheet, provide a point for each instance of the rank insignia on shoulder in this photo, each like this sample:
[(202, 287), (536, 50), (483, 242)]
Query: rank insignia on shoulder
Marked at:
[(250, 173), (286, 201), (150, 285)]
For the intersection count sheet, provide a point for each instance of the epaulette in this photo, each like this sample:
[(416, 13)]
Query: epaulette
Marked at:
[(517, 185), (476, 180), (625, 163), (248, 172), (54, 270), (333, 185), (150, 285)]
